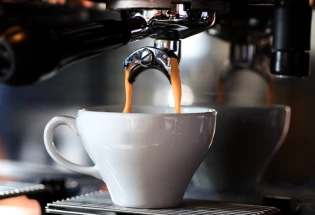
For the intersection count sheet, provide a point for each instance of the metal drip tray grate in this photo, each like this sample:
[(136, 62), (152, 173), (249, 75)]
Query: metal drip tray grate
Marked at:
[(12, 189), (100, 203)]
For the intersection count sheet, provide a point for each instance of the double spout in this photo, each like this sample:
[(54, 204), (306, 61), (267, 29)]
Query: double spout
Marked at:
[(157, 57)]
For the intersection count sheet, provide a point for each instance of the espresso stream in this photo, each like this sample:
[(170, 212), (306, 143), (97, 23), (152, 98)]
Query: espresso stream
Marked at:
[(176, 86), (128, 88)]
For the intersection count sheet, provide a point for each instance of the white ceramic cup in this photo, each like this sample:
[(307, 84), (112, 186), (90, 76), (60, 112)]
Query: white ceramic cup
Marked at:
[(146, 158)]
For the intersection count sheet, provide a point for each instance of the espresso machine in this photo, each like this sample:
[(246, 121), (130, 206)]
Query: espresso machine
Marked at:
[(32, 40), (40, 39)]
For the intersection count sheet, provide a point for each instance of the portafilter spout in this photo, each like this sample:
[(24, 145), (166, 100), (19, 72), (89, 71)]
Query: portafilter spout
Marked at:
[(157, 57)]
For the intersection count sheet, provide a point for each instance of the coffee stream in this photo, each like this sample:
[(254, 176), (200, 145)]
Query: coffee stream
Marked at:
[(128, 88), (176, 86)]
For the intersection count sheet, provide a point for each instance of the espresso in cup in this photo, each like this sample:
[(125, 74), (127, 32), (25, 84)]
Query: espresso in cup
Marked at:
[(146, 158)]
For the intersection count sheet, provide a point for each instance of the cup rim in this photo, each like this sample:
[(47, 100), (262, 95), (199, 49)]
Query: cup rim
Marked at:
[(88, 110)]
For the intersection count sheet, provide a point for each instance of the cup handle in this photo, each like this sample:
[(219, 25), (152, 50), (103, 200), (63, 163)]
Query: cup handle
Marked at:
[(54, 153)]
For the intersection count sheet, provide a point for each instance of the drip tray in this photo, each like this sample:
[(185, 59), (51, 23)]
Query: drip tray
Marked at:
[(100, 203), (12, 189)]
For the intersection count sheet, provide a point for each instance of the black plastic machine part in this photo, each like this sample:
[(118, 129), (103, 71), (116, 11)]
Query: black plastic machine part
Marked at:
[(285, 204), (291, 38), (33, 48)]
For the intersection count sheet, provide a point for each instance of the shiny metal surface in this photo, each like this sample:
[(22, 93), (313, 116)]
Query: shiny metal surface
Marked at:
[(100, 203), (213, 5), (172, 45), (172, 24), (151, 58)]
